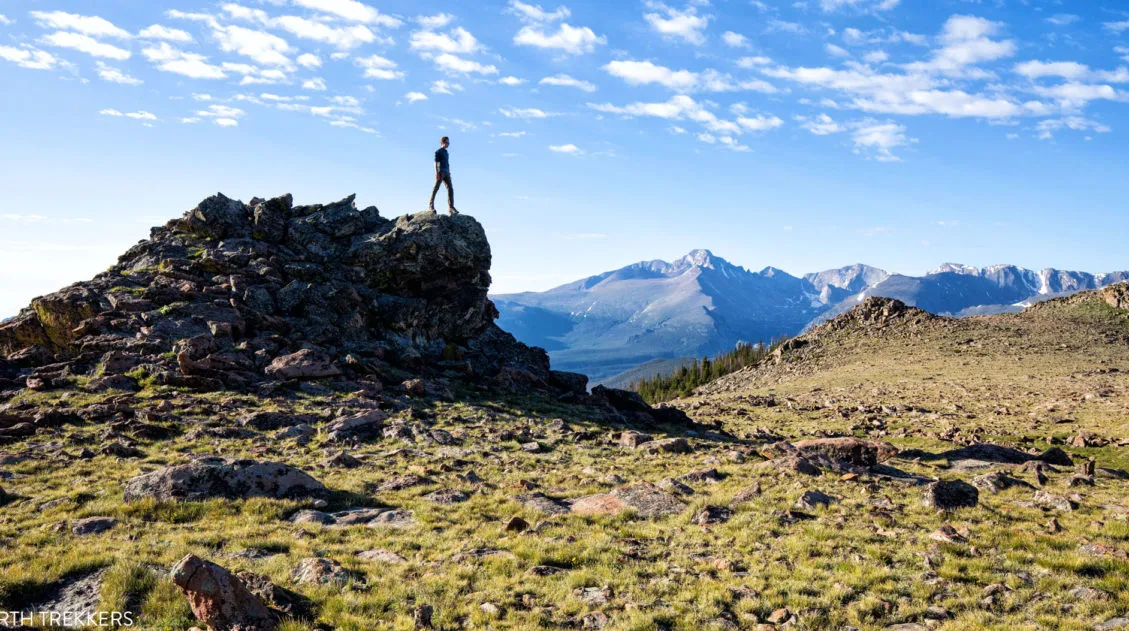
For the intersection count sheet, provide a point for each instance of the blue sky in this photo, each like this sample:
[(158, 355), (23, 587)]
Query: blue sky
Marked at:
[(802, 135)]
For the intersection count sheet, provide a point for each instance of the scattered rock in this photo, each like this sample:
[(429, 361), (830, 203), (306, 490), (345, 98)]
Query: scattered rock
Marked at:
[(317, 570), (543, 503), (381, 556), (92, 525), (633, 439), (305, 364), (447, 496), (948, 534), (402, 482), (516, 524), (711, 515), (360, 426), (811, 500), (341, 460), (644, 499), (1090, 594), (1050, 500), (667, 445), (862, 453), (996, 482)]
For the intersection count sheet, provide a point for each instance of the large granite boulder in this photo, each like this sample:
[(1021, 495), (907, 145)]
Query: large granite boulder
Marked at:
[(211, 477), (219, 599)]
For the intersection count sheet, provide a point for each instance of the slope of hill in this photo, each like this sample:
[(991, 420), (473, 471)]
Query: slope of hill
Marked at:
[(201, 456), (647, 370), (701, 305)]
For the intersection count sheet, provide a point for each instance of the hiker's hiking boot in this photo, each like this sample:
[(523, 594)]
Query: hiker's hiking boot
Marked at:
[(452, 211)]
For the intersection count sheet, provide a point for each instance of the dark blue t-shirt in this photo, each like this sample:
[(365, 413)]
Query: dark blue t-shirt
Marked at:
[(443, 160)]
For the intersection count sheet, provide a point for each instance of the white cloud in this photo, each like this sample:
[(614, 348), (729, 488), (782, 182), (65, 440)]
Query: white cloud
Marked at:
[(511, 81), (344, 38), (760, 123), (534, 12), (264, 48), (878, 140), (966, 42), (352, 11), (512, 134), (1047, 128), (445, 87), (532, 112), (753, 62), (684, 25), (1075, 94), (85, 44), (113, 75), (309, 60), (377, 67), (157, 31), (221, 111), (735, 40), (570, 149), (226, 122), (458, 40), (1117, 27), (412, 97), (822, 125), (830, 6), (140, 115), (5, 21), (646, 72), (30, 58), (87, 25), (564, 80), (876, 57), (569, 39), (1069, 70), (677, 108), (433, 22), (1063, 19), (836, 51), (314, 84), (455, 64)]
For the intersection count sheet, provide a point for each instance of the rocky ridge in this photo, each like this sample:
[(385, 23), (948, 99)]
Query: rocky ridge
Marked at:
[(244, 296)]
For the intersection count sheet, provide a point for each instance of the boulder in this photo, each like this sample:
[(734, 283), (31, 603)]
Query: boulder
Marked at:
[(92, 525), (316, 570), (212, 477), (361, 426), (305, 364), (219, 599), (949, 494), (644, 499), (633, 439), (862, 453)]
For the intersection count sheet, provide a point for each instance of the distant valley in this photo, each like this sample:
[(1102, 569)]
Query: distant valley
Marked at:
[(701, 304)]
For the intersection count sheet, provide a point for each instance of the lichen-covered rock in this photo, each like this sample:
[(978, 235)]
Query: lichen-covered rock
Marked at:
[(219, 599), (212, 477), (643, 499), (862, 453)]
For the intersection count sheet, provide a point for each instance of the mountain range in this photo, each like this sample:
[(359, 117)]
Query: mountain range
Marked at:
[(702, 304)]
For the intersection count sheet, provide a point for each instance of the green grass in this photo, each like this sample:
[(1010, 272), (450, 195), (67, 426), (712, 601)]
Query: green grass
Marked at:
[(851, 566)]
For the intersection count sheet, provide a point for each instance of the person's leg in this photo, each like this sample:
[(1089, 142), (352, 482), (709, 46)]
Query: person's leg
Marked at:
[(435, 191), (450, 191)]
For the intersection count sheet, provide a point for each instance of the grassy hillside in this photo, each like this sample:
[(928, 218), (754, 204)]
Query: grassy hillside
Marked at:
[(734, 557)]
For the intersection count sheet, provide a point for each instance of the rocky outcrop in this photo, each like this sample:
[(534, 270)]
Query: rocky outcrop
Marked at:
[(212, 477), (1117, 296), (236, 295)]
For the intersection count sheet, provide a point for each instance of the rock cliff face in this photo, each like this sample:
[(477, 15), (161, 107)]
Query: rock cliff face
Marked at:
[(245, 296)]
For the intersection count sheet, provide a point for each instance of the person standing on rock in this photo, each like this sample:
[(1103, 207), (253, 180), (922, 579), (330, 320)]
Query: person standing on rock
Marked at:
[(443, 176)]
